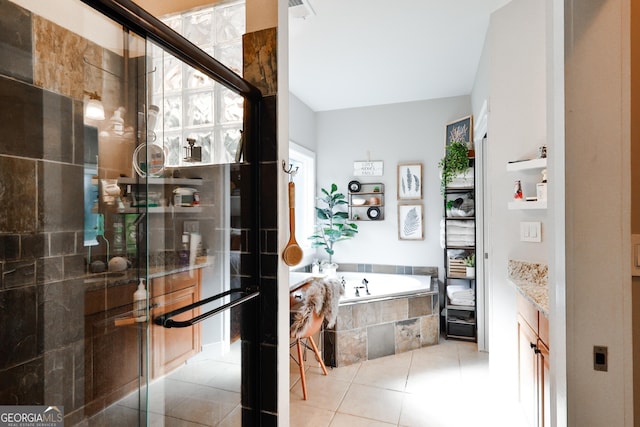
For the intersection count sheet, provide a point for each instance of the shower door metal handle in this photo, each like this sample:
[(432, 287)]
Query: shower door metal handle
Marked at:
[(166, 321)]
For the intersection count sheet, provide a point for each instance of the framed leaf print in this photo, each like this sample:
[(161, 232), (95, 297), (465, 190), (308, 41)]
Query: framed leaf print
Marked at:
[(410, 222), (410, 181)]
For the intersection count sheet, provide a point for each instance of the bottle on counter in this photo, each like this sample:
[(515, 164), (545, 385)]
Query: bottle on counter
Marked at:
[(140, 303)]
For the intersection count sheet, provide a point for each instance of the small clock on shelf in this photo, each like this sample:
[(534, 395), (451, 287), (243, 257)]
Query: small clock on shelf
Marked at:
[(354, 186), (373, 213)]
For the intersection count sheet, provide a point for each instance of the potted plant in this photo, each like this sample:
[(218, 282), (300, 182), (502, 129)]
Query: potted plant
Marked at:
[(470, 262), (454, 162), (332, 224)]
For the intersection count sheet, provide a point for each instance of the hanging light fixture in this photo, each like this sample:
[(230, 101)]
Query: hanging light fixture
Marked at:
[(94, 109)]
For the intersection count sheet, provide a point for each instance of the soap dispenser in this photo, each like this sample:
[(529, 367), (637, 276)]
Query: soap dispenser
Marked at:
[(140, 303)]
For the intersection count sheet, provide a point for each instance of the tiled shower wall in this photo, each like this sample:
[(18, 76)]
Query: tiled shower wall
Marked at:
[(41, 226), (42, 258)]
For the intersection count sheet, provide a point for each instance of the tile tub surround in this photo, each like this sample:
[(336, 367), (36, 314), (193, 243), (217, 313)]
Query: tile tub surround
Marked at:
[(531, 280), (369, 330)]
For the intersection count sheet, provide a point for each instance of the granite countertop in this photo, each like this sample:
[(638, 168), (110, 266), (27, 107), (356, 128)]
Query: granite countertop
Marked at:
[(98, 280), (531, 281)]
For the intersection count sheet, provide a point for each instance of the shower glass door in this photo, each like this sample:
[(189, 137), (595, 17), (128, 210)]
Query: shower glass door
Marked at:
[(128, 228)]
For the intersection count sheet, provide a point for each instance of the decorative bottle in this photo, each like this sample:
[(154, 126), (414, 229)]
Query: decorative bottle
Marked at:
[(140, 303), (517, 191)]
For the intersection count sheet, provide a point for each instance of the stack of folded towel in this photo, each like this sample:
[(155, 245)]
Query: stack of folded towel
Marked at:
[(459, 233), (462, 180), (461, 295)]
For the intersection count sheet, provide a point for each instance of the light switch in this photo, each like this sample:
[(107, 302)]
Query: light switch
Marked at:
[(530, 232)]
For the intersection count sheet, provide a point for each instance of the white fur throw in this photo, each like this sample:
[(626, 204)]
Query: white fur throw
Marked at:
[(321, 296)]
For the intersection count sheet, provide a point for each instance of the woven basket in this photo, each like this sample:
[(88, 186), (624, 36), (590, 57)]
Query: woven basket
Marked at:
[(457, 268)]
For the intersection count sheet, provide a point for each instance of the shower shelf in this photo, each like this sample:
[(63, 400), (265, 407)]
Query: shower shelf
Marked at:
[(162, 209), (140, 183), (160, 181)]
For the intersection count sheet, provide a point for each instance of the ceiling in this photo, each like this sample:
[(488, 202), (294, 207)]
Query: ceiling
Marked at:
[(355, 53)]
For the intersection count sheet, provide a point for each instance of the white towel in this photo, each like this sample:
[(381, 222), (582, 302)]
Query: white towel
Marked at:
[(463, 294), (459, 290), (462, 301)]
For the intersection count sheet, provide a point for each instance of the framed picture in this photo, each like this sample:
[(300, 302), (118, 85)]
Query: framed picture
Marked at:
[(410, 222), (410, 181), (460, 130)]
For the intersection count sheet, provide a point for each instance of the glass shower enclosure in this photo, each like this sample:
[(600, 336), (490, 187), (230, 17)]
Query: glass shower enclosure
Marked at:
[(127, 255)]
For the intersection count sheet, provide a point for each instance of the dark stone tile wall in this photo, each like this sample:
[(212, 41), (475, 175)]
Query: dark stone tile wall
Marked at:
[(41, 228), (260, 378), (15, 42)]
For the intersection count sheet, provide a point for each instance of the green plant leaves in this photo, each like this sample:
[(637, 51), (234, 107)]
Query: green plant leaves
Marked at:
[(332, 225)]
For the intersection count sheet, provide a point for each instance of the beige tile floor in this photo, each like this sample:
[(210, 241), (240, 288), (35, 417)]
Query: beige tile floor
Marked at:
[(447, 385), (203, 392)]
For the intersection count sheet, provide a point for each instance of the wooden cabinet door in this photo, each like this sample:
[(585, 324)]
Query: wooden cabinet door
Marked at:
[(527, 371), (544, 386), (173, 346)]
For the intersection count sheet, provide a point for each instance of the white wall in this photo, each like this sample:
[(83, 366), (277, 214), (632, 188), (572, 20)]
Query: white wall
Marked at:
[(302, 123), (396, 133), (512, 78)]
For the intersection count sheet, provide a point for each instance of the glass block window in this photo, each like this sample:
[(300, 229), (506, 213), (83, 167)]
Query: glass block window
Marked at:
[(191, 104)]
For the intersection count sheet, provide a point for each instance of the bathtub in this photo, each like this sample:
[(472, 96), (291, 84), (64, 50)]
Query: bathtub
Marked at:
[(379, 286), (400, 313)]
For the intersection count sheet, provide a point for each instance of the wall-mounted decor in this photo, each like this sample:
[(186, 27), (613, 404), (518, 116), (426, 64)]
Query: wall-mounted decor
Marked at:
[(460, 130), (410, 222), (410, 181), (375, 168)]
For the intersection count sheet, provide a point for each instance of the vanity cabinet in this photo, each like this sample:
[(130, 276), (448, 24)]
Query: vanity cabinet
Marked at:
[(366, 201), (171, 347), (114, 340), (533, 363)]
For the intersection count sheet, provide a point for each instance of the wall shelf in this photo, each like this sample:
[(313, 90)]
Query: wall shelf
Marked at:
[(524, 205), (360, 202), (527, 165)]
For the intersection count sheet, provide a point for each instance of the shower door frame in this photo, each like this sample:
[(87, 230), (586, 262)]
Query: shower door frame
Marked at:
[(133, 18)]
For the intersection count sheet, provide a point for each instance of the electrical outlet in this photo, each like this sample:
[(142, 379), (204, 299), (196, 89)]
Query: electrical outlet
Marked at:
[(600, 358), (191, 227)]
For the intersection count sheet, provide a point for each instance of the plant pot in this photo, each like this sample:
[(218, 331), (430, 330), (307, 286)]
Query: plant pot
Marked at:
[(471, 271), (330, 269)]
